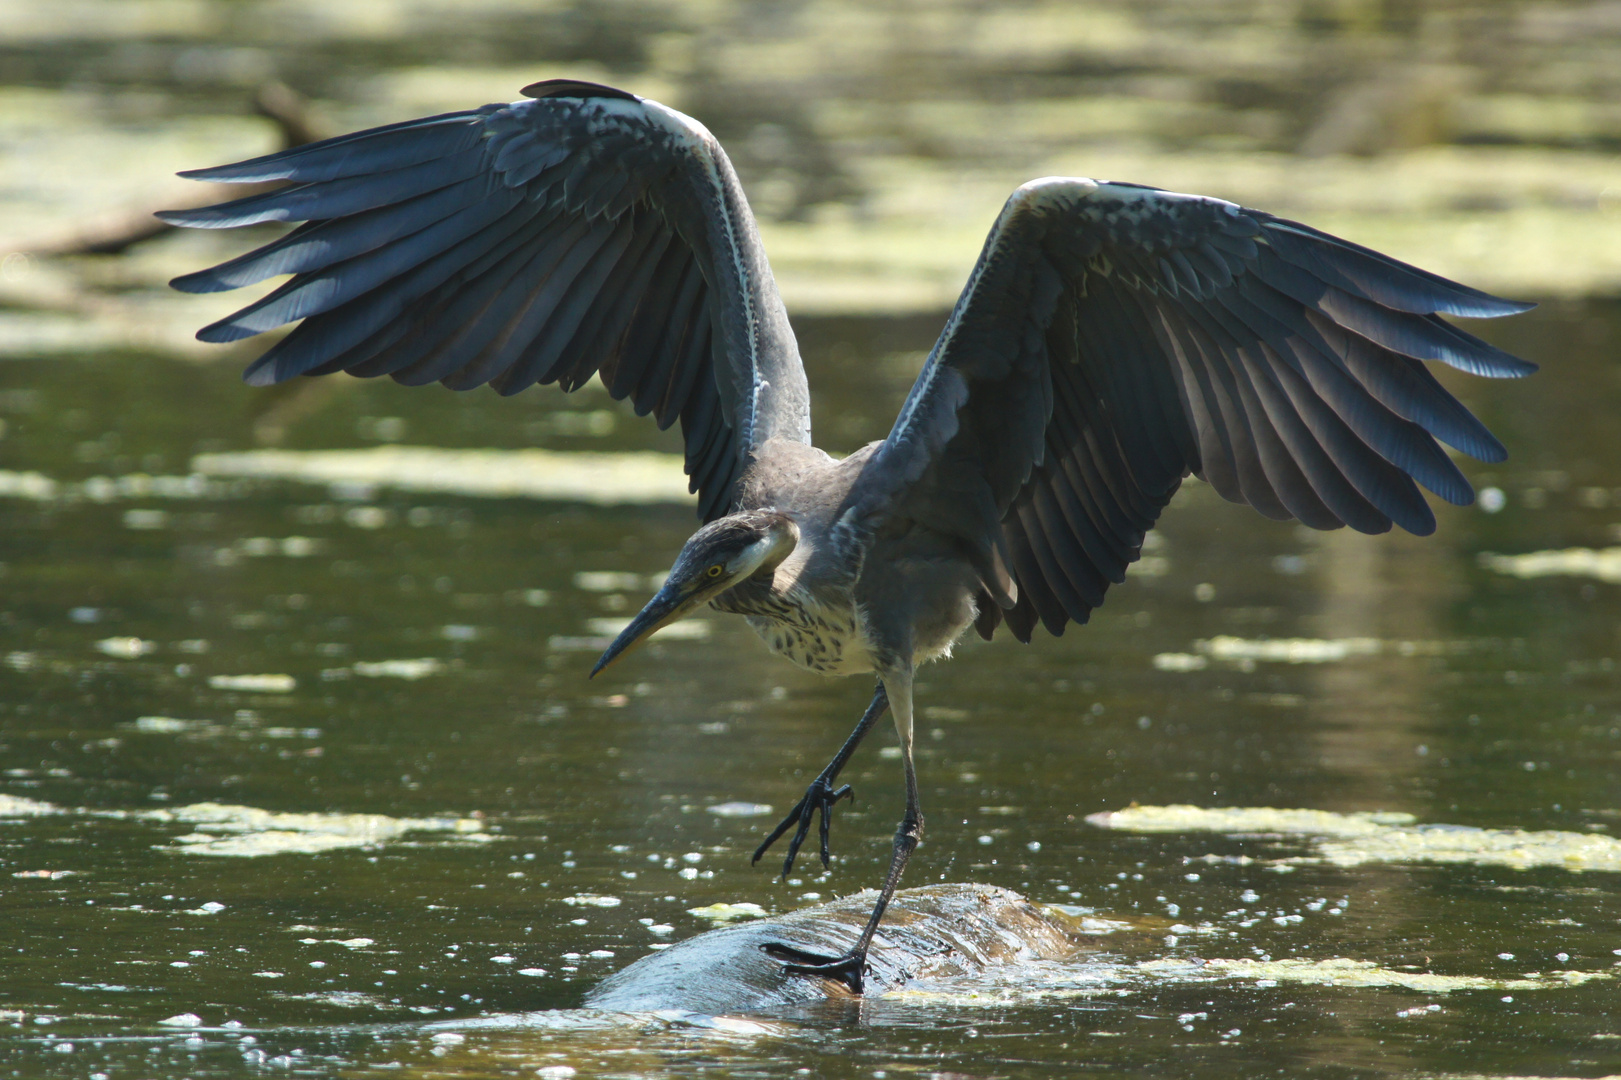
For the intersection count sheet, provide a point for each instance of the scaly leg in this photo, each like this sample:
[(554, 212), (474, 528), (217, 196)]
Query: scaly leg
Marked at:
[(820, 796), (850, 968)]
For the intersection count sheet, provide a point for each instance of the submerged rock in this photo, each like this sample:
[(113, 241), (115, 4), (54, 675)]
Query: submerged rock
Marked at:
[(934, 932)]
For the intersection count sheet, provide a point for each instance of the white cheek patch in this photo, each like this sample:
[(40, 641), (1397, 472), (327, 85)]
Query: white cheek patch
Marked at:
[(752, 557)]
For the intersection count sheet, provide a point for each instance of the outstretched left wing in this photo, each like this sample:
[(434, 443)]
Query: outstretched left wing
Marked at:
[(584, 231), (1115, 338)]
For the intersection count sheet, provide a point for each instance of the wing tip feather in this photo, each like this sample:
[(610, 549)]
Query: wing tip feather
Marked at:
[(574, 88)]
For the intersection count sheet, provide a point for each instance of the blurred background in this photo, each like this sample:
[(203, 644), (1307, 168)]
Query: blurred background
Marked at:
[(875, 140), (367, 611)]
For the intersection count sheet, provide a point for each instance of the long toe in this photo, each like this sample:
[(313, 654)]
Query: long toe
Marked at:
[(848, 969), (783, 826)]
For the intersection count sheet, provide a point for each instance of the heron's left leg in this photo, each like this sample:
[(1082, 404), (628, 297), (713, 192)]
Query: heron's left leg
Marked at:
[(850, 968), (821, 795)]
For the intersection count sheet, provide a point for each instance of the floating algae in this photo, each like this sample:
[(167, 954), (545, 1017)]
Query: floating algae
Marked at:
[(278, 683), (249, 831), (1518, 849), (37, 487), (1245, 652), (245, 831), (1340, 971), (686, 630), (1087, 977), (1358, 838), (1247, 819), (15, 806), (410, 670), (603, 479), (725, 913), (1604, 564), (1289, 650)]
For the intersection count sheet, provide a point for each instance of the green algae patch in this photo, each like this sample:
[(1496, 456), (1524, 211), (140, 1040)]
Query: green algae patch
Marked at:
[(1049, 981), (1289, 650), (1248, 819), (1517, 849), (725, 913), (246, 831), (1603, 564), (602, 479), (1344, 972), (15, 806), (1356, 839)]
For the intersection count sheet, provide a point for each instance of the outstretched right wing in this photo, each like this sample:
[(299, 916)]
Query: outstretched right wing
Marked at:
[(1115, 338), (548, 240)]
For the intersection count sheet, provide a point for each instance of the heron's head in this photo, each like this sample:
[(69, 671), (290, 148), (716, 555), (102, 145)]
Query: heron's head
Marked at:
[(722, 554)]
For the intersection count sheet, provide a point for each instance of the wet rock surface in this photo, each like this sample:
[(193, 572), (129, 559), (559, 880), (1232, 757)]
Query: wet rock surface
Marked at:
[(934, 932)]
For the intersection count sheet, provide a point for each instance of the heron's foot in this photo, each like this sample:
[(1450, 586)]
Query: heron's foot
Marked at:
[(848, 969), (820, 798)]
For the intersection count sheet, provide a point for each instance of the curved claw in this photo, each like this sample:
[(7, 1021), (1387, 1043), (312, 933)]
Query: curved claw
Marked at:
[(820, 797), (848, 969)]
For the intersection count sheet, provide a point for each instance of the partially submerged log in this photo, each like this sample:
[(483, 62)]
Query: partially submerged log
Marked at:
[(935, 932)]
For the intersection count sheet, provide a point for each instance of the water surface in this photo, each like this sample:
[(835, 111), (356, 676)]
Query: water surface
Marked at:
[(298, 761), (293, 769)]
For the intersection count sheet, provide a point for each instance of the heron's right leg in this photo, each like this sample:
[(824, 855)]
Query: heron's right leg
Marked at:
[(821, 795), (851, 968)]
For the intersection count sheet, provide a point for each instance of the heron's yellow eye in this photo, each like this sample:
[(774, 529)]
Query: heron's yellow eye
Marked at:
[(716, 570)]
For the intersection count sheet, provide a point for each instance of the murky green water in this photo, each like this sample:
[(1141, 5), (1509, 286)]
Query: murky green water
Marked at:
[(298, 762), (421, 655)]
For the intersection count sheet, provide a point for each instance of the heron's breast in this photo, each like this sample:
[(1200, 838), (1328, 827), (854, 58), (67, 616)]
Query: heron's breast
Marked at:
[(826, 638)]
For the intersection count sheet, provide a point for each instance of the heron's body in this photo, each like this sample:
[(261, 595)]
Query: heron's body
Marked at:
[(847, 605), (1111, 340), (817, 628)]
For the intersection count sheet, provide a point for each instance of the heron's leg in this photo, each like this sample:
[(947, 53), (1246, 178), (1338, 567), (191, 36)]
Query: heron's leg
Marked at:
[(821, 796), (850, 968)]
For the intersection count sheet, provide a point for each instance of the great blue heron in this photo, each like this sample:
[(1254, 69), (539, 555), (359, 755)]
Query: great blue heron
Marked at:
[(1111, 340)]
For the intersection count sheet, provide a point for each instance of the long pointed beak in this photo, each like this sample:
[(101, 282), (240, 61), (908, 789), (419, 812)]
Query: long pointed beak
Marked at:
[(667, 605)]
